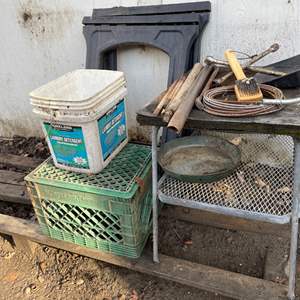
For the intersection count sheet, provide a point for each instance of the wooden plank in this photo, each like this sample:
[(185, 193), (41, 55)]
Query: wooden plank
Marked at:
[(19, 162), (227, 283), (12, 177), (223, 221), (203, 6), (14, 193), (12, 187), (286, 122)]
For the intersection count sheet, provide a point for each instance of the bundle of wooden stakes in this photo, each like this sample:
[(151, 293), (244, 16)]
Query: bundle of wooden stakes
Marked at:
[(176, 103)]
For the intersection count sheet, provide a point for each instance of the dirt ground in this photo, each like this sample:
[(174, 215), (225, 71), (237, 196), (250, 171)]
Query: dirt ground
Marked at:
[(57, 274)]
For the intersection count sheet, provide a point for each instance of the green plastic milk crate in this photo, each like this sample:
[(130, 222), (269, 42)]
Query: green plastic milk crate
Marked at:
[(110, 211)]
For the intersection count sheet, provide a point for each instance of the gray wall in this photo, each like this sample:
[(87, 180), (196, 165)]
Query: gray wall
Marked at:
[(41, 40)]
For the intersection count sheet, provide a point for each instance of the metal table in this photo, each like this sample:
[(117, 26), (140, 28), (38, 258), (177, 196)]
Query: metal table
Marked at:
[(285, 125)]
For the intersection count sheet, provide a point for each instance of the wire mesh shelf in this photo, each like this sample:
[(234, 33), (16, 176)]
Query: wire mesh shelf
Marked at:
[(261, 188)]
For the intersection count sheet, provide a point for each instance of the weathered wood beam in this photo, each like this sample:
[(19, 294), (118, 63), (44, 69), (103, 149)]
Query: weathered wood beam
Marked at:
[(234, 285), (19, 162), (226, 222), (11, 177), (12, 187), (14, 193)]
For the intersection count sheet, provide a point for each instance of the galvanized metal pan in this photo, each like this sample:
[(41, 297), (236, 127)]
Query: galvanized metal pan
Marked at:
[(199, 158)]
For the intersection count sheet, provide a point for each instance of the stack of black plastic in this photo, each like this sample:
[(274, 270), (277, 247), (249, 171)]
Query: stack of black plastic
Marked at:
[(175, 29)]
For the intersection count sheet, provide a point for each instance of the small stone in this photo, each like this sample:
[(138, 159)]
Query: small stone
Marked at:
[(41, 279), (229, 239), (27, 290), (188, 242), (134, 295), (9, 255), (42, 267), (236, 141), (79, 282)]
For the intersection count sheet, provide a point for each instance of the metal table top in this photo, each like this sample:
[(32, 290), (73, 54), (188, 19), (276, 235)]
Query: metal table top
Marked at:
[(285, 122)]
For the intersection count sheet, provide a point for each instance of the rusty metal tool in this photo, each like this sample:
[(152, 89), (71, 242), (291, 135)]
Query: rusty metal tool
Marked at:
[(271, 49), (209, 60)]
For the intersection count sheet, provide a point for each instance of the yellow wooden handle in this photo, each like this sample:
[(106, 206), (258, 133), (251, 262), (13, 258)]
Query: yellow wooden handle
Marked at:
[(234, 65)]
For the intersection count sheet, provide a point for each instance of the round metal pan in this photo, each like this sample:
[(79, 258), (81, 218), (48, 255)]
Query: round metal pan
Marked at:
[(199, 158)]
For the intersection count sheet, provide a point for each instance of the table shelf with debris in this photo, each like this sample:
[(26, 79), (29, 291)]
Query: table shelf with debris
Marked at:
[(261, 188), (266, 185)]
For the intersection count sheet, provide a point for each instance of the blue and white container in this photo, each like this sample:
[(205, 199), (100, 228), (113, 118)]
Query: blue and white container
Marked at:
[(83, 115)]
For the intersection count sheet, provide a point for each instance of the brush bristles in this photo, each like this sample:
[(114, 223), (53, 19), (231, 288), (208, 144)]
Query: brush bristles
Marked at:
[(248, 90), (247, 86)]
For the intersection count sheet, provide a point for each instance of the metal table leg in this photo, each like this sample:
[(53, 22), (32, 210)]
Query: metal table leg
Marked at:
[(294, 221), (154, 194)]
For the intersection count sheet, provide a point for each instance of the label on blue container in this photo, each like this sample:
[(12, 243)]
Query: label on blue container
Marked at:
[(68, 145), (112, 129)]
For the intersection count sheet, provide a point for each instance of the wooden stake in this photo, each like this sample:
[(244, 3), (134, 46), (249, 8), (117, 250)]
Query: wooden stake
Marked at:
[(179, 118), (175, 91), (188, 83), (159, 98), (165, 98)]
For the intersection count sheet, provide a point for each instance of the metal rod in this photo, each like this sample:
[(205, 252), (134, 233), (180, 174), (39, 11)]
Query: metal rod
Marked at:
[(272, 48), (221, 63), (154, 194), (294, 221)]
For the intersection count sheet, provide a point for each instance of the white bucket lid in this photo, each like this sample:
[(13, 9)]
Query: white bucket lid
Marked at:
[(79, 105), (83, 107), (79, 115), (77, 86)]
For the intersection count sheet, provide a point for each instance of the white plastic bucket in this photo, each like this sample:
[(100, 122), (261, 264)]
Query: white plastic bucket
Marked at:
[(83, 115)]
